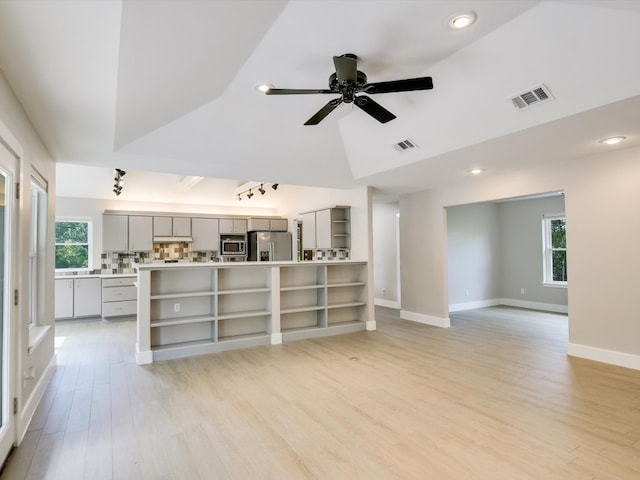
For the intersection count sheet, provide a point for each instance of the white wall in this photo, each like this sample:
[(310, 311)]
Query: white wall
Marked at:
[(386, 256), (40, 359), (473, 253), (600, 192), (521, 253), (495, 250)]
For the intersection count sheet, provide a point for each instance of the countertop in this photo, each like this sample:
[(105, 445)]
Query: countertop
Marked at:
[(59, 276), (155, 266)]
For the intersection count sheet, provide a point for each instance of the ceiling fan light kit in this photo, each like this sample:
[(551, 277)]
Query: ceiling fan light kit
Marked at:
[(346, 82)]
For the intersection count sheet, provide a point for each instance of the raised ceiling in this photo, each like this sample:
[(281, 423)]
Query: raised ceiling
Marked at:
[(169, 86)]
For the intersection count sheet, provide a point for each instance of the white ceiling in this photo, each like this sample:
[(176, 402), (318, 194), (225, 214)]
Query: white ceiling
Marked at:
[(169, 87)]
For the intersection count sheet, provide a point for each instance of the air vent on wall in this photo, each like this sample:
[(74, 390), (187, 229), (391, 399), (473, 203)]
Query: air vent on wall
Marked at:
[(405, 145), (533, 96)]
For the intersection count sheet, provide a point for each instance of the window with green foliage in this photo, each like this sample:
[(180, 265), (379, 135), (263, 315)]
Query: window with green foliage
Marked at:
[(72, 244), (555, 249)]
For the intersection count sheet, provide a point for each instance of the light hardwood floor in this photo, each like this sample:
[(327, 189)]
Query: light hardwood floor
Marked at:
[(492, 397)]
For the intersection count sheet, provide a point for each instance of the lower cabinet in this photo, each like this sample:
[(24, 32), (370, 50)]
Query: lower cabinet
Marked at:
[(78, 297), (192, 310), (119, 296)]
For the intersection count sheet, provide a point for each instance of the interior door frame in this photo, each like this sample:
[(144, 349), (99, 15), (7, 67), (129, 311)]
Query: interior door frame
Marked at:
[(9, 431)]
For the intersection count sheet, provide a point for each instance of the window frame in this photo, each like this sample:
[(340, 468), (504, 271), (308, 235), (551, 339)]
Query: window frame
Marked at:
[(548, 250), (89, 243)]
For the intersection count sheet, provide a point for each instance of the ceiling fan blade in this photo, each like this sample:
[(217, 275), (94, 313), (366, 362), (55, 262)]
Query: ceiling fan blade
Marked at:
[(294, 91), (324, 111), (346, 68), (374, 109), (406, 85)]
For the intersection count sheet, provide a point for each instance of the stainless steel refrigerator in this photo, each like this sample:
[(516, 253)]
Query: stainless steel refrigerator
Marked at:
[(269, 246)]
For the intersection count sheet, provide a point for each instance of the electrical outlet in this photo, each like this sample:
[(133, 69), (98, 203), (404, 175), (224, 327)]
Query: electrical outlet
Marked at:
[(176, 307), (522, 291)]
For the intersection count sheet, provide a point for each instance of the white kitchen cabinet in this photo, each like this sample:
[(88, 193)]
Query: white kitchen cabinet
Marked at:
[(326, 229), (172, 226), (77, 297), (205, 234), (162, 226), (119, 296), (87, 297), (236, 226), (115, 233), (323, 229), (63, 298), (267, 225), (140, 233), (279, 225), (258, 225), (182, 226), (308, 230)]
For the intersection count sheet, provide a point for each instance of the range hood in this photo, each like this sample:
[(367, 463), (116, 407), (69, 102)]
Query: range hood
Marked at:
[(172, 239)]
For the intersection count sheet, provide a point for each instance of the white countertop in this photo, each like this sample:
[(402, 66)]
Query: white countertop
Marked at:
[(155, 266), (59, 276)]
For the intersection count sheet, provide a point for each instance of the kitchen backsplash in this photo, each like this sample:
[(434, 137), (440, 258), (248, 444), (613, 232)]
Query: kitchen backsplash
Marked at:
[(116, 262), (332, 254)]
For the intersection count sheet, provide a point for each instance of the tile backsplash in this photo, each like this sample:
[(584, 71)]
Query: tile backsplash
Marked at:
[(123, 262)]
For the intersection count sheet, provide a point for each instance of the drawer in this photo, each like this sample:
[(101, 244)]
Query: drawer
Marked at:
[(118, 282), (115, 294), (114, 309)]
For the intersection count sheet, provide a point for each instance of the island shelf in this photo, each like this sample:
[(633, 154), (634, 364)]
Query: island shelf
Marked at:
[(193, 309)]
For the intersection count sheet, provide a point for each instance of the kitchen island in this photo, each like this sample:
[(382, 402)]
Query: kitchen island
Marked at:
[(189, 309)]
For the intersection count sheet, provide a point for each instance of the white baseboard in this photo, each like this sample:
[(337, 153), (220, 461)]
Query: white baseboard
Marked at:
[(547, 307), (26, 414), (612, 357), (457, 307), (370, 325), (426, 319), (511, 302), (387, 303)]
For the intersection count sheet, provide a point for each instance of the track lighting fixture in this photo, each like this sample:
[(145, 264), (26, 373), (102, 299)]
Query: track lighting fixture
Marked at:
[(249, 192), (118, 181)]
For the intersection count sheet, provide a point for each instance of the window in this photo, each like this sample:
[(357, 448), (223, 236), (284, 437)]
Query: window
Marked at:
[(554, 229), (72, 243), (37, 248)]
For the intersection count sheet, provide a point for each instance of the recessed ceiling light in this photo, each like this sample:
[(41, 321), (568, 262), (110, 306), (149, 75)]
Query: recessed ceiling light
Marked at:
[(264, 87), (462, 20), (613, 140), (476, 171)]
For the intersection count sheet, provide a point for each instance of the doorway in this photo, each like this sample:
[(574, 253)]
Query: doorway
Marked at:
[(8, 313)]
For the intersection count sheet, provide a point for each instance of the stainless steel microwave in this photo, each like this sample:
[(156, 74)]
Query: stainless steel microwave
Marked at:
[(232, 247)]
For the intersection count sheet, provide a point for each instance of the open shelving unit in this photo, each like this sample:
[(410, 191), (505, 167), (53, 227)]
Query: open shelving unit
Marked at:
[(193, 310), (341, 227), (318, 300)]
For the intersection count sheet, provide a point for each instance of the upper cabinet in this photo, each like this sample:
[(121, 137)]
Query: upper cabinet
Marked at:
[(205, 233), (140, 233), (127, 233), (115, 233), (236, 226), (308, 230), (267, 225), (326, 229), (172, 226)]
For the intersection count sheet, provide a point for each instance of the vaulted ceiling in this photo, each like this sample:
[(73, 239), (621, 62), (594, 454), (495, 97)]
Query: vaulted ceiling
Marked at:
[(169, 86)]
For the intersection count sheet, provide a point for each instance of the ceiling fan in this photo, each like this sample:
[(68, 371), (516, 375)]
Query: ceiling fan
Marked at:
[(347, 81)]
